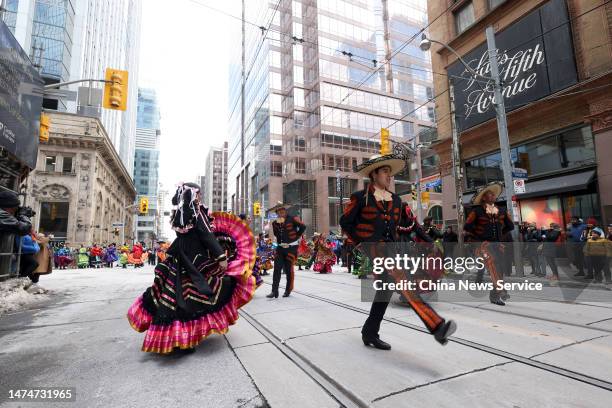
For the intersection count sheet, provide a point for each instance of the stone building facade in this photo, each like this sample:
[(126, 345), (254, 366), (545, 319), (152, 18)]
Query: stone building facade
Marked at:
[(80, 187), (556, 66)]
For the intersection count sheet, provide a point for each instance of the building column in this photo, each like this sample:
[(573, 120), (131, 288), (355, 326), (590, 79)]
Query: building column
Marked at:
[(601, 123)]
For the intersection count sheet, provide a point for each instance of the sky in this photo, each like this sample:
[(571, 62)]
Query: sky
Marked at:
[(184, 56)]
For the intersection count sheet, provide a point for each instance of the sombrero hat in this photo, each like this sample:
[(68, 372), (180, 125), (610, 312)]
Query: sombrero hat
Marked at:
[(495, 187), (396, 163), (278, 206)]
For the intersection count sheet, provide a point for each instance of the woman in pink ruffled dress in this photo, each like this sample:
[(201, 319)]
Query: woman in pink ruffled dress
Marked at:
[(204, 280)]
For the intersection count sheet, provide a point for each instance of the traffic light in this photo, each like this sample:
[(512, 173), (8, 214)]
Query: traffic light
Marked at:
[(144, 205), (115, 89), (385, 143), (256, 208), (116, 231), (413, 192), (45, 124)]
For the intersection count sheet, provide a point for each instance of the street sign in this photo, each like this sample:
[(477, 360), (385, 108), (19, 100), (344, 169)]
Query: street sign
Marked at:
[(519, 173), (272, 216), (519, 186), (117, 224), (425, 197)]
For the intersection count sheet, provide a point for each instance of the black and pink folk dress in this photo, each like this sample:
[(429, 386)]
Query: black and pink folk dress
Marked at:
[(191, 296)]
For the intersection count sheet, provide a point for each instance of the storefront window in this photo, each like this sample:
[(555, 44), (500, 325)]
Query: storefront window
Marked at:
[(578, 147), (542, 211), (54, 218), (544, 156), (584, 206), (572, 148)]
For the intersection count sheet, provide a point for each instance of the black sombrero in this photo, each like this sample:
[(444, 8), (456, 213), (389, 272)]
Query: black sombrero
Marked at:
[(395, 162)]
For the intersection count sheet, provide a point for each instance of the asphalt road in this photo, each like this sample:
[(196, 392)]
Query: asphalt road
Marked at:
[(82, 339)]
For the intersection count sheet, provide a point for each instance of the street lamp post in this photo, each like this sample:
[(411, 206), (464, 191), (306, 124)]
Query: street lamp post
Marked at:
[(417, 149), (502, 127), (457, 172)]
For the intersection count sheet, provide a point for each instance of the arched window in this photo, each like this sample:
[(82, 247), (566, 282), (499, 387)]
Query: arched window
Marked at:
[(435, 213)]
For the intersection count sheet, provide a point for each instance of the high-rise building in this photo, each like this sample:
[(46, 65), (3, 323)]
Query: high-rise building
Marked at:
[(146, 163), (78, 39), (214, 181), (309, 97)]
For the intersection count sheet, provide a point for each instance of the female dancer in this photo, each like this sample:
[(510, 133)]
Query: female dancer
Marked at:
[(199, 288)]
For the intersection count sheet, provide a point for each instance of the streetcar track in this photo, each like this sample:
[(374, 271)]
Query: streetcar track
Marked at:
[(596, 382), (508, 312), (334, 389)]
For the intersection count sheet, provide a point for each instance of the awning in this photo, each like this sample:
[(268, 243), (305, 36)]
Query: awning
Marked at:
[(552, 185)]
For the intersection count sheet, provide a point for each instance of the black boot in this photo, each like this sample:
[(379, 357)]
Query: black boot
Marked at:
[(376, 343), (286, 294), (444, 331), (272, 295), (495, 299), (576, 275), (505, 295)]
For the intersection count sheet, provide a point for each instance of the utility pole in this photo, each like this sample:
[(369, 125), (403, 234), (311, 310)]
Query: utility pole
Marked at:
[(457, 173), (339, 192), (504, 143), (417, 149)]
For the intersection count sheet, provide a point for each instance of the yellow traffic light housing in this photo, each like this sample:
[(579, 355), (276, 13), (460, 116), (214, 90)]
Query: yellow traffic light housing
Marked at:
[(385, 143), (256, 208), (45, 124), (115, 89), (144, 205)]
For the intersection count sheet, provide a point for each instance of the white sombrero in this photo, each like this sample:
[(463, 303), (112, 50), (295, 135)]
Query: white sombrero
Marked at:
[(278, 206), (495, 187), (396, 163)]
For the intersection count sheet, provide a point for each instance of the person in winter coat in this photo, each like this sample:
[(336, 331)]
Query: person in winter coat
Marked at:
[(550, 240), (28, 263), (597, 249), (12, 223), (44, 256), (532, 238), (576, 243)]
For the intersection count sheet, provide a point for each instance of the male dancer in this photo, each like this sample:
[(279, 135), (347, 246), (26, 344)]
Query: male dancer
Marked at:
[(287, 231), (487, 223), (373, 215)]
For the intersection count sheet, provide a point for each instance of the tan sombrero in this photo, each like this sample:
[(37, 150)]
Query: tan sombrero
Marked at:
[(495, 187), (396, 163), (278, 206)]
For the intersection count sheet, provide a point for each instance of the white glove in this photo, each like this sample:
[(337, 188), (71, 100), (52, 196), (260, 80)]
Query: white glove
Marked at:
[(223, 265)]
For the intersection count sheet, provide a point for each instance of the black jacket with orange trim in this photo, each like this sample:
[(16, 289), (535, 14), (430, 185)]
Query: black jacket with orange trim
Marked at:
[(480, 226), (368, 220), (289, 231)]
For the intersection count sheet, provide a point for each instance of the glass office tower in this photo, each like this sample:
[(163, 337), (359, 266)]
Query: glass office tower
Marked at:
[(310, 95)]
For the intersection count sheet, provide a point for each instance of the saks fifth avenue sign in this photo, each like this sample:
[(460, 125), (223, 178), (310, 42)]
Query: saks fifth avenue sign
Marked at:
[(535, 57)]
